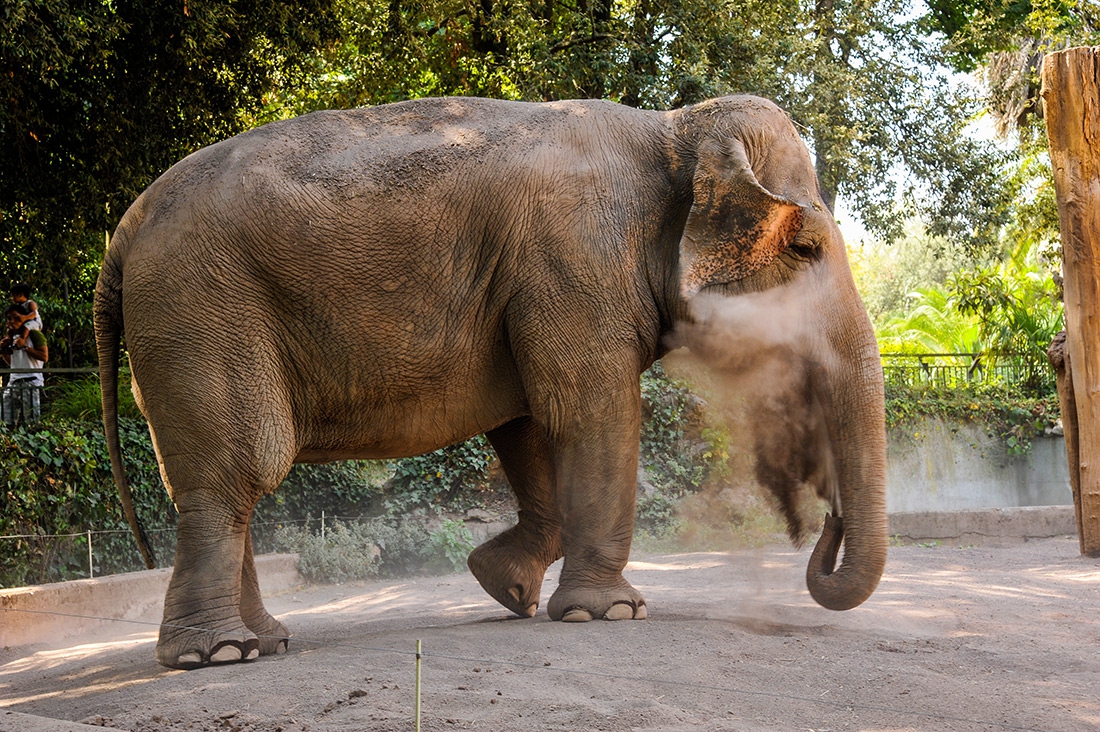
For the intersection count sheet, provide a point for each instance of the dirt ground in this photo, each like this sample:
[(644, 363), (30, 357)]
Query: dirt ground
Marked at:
[(978, 638)]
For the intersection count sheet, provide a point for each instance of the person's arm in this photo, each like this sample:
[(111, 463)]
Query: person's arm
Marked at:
[(38, 347)]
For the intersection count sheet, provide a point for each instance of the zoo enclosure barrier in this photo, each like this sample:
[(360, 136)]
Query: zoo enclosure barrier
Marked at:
[(16, 393), (947, 370), (957, 370), (82, 552)]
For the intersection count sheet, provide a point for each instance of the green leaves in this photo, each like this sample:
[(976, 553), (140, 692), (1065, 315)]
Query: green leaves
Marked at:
[(101, 97), (452, 476), (1007, 412), (57, 480)]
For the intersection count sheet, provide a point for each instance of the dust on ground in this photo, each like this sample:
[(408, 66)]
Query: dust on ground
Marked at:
[(977, 638)]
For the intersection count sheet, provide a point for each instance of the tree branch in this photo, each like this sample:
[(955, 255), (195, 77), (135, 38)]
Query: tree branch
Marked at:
[(571, 42)]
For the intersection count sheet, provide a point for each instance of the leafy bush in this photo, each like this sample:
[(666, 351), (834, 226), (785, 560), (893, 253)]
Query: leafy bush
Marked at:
[(453, 542), (340, 489), (347, 552), (1013, 414), (389, 546), (678, 452), (57, 480), (452, 477)]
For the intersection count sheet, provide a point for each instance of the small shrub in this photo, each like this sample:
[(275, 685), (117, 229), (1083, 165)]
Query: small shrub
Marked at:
[(380, 547), (453, 542), (346, 553)]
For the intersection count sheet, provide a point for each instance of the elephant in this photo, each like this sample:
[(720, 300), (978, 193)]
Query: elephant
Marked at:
[(381, 282)]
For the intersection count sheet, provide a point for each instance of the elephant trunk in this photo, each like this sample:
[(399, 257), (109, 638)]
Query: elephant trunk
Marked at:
[(856, 425)]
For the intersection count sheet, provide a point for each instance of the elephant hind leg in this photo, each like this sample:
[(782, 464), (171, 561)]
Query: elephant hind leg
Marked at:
[(273, 636), (510, 567), (213, 612), (202, 610)]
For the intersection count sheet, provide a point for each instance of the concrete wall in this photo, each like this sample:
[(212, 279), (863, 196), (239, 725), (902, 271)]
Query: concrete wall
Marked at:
[(942, 466), (53, 612)]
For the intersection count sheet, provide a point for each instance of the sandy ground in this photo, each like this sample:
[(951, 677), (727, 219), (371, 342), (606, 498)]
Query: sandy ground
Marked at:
[(979, 638)]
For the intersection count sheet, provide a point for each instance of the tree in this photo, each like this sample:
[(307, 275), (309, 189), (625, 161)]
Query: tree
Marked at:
[(862, 78), (1004, 42), (1070, 90), (101, 97)]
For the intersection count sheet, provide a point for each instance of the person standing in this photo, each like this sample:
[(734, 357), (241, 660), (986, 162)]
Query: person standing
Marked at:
[(29, 316), (22, 396)]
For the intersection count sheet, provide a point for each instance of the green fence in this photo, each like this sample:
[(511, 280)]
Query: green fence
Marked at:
[(958, 370)]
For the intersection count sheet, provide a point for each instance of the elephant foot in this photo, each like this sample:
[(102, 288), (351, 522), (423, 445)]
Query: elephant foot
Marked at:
[(509, 572), (273, 635), (572, 604), (186, 648)]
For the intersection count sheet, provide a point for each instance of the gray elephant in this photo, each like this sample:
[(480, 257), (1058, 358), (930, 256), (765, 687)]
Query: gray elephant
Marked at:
[(381, 282)]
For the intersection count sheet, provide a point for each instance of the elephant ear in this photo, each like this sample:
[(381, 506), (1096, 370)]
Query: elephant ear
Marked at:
[(736, 226)]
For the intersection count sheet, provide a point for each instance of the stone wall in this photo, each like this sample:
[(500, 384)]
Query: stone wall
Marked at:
[(941, 466)]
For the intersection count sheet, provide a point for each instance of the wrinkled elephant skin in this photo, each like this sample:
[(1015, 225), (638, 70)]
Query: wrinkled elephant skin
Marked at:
[(378, 283)]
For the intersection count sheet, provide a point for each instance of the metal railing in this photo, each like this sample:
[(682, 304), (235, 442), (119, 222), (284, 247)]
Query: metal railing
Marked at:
[(22, 401), (22, 404), (956, 370)]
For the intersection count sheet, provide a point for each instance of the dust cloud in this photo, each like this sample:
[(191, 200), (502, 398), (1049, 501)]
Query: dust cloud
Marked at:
[(760, 362)]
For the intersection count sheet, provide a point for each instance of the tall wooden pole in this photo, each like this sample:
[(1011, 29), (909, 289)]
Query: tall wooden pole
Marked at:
[(1071, 103)]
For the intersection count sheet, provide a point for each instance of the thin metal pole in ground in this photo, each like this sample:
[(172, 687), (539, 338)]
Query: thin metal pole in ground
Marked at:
[(417, 704)]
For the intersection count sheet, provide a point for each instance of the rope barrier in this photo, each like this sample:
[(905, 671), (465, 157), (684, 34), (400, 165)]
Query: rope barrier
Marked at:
[(99, 532), (420, 655)]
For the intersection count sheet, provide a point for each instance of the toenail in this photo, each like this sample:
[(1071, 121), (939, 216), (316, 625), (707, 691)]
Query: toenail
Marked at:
[(619, 611), (576, 615), (226, 654)]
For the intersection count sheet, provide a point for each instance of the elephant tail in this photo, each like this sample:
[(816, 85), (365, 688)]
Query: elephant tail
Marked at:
[(107, 313)]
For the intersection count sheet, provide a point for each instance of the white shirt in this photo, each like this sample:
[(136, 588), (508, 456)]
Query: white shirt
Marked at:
[(20, 359)]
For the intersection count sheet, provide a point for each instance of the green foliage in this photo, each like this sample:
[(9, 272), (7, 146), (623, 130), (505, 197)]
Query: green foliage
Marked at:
[(1018, 316), (932, 325), (1011, 414), (887, 275), (81, 400), (976, 29), (348, 551), (388, 546), (57, 480), (678, 452), (453, 477), (453, 542), (341, 489), (100, 98), (1006, 309), (674, 454)]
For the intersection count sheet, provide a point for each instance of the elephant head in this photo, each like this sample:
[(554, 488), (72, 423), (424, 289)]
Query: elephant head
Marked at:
[(773, 306)]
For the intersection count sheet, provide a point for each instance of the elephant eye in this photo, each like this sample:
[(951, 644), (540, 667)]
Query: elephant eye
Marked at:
[(805, 248)]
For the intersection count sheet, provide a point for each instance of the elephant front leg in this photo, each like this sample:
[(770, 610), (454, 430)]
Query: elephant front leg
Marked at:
[(597, 468), (202, 610), (510, 567)]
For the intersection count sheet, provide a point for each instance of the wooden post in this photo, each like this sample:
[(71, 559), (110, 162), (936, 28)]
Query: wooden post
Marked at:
[(1071, 103)]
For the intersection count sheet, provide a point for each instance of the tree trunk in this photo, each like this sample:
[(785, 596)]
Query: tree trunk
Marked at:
[(1071, 98), (1059, 359)]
